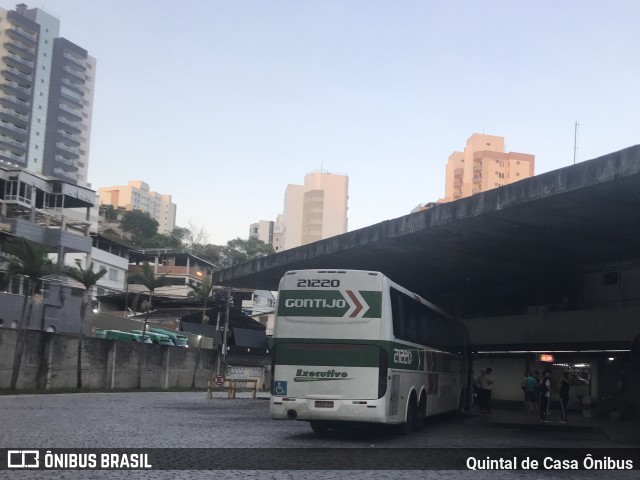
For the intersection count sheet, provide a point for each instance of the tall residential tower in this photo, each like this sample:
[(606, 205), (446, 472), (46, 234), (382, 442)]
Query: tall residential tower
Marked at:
[(46, 96), (316, 210)]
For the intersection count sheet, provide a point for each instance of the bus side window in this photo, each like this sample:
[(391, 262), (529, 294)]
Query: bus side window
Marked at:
[(397, 314)]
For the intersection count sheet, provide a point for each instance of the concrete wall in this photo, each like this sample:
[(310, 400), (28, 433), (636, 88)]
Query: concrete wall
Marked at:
[(50, 362)]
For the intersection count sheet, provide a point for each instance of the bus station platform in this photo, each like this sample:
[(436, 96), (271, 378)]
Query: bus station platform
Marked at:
[(617, 431)]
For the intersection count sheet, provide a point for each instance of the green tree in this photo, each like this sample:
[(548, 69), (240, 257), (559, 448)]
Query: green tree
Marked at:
[(210, 253), (140, 225), (30, 262), (88, 278), (151, 282), (109, 212), (202, 293), (239, 251)]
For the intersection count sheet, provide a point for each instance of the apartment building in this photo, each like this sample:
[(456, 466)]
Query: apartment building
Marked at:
[(312, 212), (484, 165), (46, 96), (137, 195), (315, 210), (263, 230)]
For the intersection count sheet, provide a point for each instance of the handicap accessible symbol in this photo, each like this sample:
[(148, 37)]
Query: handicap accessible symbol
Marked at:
[(281, 388)]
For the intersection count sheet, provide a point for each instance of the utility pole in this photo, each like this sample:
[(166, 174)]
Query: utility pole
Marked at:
[(219, 350), (575, 142), (226, 327)]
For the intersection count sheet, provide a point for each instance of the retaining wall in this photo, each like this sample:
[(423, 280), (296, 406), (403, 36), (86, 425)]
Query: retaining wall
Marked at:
[(49, 362)]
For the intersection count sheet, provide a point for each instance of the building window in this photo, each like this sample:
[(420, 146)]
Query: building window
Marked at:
[(113, 274)]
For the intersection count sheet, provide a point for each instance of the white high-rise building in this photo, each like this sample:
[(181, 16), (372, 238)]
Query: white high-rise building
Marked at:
[(46, 97), (314, 211)]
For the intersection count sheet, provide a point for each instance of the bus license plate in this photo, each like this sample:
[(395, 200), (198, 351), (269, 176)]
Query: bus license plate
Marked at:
[(324, 404)]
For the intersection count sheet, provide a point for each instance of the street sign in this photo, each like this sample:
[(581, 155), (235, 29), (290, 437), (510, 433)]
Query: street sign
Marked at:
[(218, 380)]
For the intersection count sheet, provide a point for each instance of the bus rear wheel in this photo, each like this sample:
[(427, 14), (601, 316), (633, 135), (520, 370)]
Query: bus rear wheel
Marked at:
[(412, 413), (318, 426)]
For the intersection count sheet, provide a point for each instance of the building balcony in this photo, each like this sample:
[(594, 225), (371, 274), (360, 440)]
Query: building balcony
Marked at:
[(70, 163), (77, 88), (65, 174), (16, 76), (69, 125), (13, 145), (73, 74), (21, 63), (71, 98), (53, 238), (71, 140), (70, 112), (18, 105), (9, 129), (75, 63), (67, 150), (18, 93), (20, 49), (194, 272), (10, 157), (22, 36), (11, 115)]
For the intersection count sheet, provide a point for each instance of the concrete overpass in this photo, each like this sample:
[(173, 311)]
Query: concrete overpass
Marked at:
[(550, 263), (510, 247)]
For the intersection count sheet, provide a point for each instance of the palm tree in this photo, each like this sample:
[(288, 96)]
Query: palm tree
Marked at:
[(88, 278), (148, 279), (202, 293), (30, 262)]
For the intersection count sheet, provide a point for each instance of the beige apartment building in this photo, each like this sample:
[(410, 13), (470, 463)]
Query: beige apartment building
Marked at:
[(136, 195), (484, 165), (314, 211)]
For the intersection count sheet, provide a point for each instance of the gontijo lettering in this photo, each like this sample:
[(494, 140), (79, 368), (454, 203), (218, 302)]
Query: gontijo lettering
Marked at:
[(314, 303)]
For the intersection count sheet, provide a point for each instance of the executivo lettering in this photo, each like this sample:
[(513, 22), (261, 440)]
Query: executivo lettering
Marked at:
[(319, 376)]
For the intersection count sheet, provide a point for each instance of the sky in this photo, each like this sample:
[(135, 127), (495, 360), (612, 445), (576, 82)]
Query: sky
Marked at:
[(222, 104)]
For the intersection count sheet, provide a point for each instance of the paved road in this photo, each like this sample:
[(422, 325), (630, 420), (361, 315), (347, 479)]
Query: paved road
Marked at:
[(189, 420)]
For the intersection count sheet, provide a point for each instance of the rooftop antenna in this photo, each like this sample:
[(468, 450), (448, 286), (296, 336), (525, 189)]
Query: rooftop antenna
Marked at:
[(575, 142)]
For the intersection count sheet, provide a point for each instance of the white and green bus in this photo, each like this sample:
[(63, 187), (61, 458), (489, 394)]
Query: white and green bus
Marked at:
[(353, 346)]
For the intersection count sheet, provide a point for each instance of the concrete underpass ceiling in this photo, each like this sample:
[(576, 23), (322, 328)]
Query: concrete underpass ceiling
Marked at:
[(573, 218)]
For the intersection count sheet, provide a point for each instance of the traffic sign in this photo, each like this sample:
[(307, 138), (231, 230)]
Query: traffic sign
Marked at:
[(218, 380)]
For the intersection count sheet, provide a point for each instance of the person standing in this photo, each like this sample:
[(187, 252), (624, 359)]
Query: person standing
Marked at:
[(536, 390), (545, 396), (485, 390), (564, 395), (529, 384)]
